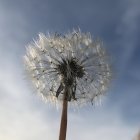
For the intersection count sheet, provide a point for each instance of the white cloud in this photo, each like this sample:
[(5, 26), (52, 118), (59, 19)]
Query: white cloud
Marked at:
[(20, 117), (127, 29), (103, 124)]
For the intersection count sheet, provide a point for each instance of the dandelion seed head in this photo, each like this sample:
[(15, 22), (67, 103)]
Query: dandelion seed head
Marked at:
[(74, 63)]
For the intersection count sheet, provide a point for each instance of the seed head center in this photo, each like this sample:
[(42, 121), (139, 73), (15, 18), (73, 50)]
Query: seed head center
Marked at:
[(70, 69)]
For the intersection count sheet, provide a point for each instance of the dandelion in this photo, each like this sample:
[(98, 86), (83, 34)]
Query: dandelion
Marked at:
[(70, 69)]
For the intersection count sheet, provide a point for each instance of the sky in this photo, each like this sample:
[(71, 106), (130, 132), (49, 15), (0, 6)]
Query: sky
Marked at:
[(23, 115)]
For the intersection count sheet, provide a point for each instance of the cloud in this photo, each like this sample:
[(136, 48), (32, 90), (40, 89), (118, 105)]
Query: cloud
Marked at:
[(127, 29), (21, 115), (99, 124)]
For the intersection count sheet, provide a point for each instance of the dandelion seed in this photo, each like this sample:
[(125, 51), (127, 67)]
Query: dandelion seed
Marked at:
[(70, 68)]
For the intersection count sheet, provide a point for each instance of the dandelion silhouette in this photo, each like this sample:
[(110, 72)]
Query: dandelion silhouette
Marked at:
[(70, 69)]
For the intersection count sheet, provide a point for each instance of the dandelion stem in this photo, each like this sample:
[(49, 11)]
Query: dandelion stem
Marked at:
[(63, 125)]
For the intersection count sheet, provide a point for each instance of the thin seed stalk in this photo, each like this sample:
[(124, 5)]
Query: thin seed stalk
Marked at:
[(63, 125)]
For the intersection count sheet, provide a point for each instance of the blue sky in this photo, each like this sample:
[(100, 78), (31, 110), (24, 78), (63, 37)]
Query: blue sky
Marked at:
[(23, 116)]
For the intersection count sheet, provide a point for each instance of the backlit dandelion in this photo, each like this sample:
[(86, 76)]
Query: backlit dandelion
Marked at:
[(71, 69)]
